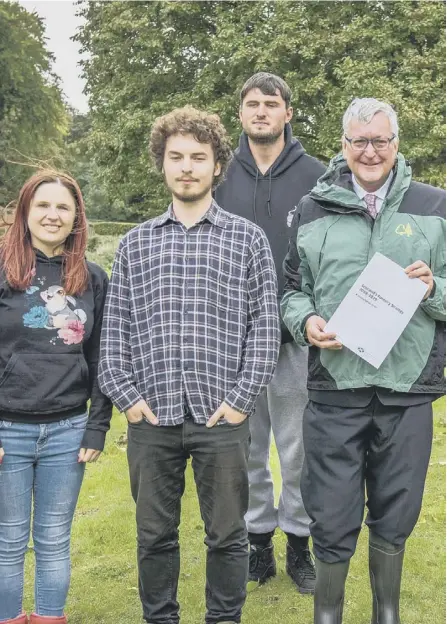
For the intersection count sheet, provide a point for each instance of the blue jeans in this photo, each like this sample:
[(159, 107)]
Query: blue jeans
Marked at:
[(40, 466)]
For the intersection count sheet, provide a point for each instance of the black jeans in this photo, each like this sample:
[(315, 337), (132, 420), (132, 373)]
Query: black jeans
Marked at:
[(387, 448), (157, 460)]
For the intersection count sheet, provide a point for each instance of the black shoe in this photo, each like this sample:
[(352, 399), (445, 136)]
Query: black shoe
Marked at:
[(262, 564), (301, 569)]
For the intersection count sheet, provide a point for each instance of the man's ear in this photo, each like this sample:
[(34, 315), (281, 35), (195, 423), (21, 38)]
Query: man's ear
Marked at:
[(289, 114), (217, 169)]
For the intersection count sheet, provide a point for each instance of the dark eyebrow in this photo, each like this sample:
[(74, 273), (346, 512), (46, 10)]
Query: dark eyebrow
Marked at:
[(174, 153)]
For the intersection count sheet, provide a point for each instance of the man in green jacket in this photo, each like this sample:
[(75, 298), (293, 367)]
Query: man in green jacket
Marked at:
[(364, 425)]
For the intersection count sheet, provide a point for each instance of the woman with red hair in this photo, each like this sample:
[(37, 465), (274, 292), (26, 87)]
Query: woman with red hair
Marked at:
[(51, 305)]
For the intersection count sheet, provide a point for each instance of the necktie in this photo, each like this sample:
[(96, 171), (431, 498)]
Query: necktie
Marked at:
[(370, 201)]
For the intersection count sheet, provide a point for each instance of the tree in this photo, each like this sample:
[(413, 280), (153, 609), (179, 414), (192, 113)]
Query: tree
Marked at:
[(145, 58), (33, 120)]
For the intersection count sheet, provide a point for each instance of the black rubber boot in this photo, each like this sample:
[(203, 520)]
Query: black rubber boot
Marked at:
[(330, 592), (385, 573)]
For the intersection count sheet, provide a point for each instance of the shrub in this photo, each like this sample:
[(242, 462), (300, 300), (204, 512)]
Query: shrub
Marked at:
[(92, 243), (111, 228), (104, 253)]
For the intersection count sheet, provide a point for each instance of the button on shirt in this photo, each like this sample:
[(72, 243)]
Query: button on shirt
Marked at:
[(380, 194), (190, 312)]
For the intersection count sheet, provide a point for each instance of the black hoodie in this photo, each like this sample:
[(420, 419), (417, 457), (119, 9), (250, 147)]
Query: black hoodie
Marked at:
[(270, 199), (49, 350)]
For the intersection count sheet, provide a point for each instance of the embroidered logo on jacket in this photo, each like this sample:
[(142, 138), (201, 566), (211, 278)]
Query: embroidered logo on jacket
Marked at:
[(404, 230)]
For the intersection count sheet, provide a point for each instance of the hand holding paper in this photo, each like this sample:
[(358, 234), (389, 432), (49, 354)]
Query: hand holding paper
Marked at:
[(423, 272), (316, 334)]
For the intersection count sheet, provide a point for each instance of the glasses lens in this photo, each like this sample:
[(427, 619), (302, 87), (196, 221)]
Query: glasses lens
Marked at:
[(380, 144), (359, 144)]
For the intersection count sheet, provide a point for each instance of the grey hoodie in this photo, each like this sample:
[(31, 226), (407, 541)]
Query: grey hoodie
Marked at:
[(270, 199)]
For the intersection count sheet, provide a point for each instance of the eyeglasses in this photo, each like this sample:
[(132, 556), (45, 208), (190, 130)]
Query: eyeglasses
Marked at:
[(360, 144)]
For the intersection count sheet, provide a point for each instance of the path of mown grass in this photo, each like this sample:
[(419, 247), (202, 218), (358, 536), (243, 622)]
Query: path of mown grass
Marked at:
[(104, 584)]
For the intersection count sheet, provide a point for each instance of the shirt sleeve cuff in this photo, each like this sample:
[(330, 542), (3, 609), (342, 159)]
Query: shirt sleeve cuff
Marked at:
[(125, 400), (241, 401)]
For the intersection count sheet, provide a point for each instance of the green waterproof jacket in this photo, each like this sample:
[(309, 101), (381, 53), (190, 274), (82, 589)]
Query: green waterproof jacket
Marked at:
[(332, 240)]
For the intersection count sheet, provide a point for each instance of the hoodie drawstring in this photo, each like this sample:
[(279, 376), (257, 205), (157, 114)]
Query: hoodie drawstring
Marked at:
[(270, 193), (269, 197), (254, 196)]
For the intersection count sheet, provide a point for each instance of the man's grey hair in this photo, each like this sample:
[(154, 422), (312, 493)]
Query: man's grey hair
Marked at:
[(364, 109)]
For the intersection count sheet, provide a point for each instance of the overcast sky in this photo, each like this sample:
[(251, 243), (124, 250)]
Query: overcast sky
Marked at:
[(61, 23)]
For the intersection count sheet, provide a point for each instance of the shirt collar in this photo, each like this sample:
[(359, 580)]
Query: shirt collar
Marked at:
[(214, 215), (380, 193)]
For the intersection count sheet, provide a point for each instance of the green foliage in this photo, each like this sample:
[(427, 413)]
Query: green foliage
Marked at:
[(146, 58), (111, 228), (33, 119), (92, 243)]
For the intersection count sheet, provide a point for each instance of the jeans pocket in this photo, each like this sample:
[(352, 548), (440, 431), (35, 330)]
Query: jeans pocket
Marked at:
[(137, 423), (76, 422), (234, 425)]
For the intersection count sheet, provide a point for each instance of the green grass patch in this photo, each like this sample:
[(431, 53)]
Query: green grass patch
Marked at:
[(104, 581)]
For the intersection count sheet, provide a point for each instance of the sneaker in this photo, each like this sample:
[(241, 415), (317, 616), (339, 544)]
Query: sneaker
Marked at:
[(300, 567), (262, 565)]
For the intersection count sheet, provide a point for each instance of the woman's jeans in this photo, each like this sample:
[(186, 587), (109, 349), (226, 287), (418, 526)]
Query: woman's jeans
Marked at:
[(40, 466)]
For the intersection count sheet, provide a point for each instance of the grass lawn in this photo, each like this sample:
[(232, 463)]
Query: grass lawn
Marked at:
[(104, 582)]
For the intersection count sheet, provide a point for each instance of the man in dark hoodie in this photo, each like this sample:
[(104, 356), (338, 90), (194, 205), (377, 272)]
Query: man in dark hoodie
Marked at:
[(267, 178)]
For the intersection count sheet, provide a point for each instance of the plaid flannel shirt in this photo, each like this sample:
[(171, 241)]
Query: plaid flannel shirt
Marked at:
[(190, 313)]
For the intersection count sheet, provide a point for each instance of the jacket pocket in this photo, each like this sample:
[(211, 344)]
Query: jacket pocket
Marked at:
[(40, 383)]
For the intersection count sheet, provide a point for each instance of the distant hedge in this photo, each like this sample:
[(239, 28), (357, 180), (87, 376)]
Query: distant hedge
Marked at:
[(111, 228)]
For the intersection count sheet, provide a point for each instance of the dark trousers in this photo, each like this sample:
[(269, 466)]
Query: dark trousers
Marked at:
[(157, 460), (386, 448)]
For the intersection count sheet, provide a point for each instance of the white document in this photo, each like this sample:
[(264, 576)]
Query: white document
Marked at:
[(376, 309)]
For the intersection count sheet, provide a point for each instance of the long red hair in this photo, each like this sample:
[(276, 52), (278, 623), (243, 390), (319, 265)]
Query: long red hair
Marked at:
[(17, 256)]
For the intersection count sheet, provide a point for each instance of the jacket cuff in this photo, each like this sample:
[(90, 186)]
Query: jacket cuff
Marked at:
[(93, 439), (303, 327), (434, 305)]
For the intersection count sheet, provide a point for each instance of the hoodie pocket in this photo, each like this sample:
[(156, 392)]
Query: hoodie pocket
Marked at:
[(39, 383)]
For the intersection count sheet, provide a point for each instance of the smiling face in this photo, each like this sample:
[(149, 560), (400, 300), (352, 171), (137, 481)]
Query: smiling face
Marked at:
[(263, 117), (51, 217), (370, 167), (189, 168)]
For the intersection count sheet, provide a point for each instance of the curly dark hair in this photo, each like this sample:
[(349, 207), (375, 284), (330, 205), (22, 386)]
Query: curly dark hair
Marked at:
[(204, 127)]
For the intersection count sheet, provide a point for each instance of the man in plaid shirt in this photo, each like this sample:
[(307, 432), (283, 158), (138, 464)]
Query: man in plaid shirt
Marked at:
[(190, 338)]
